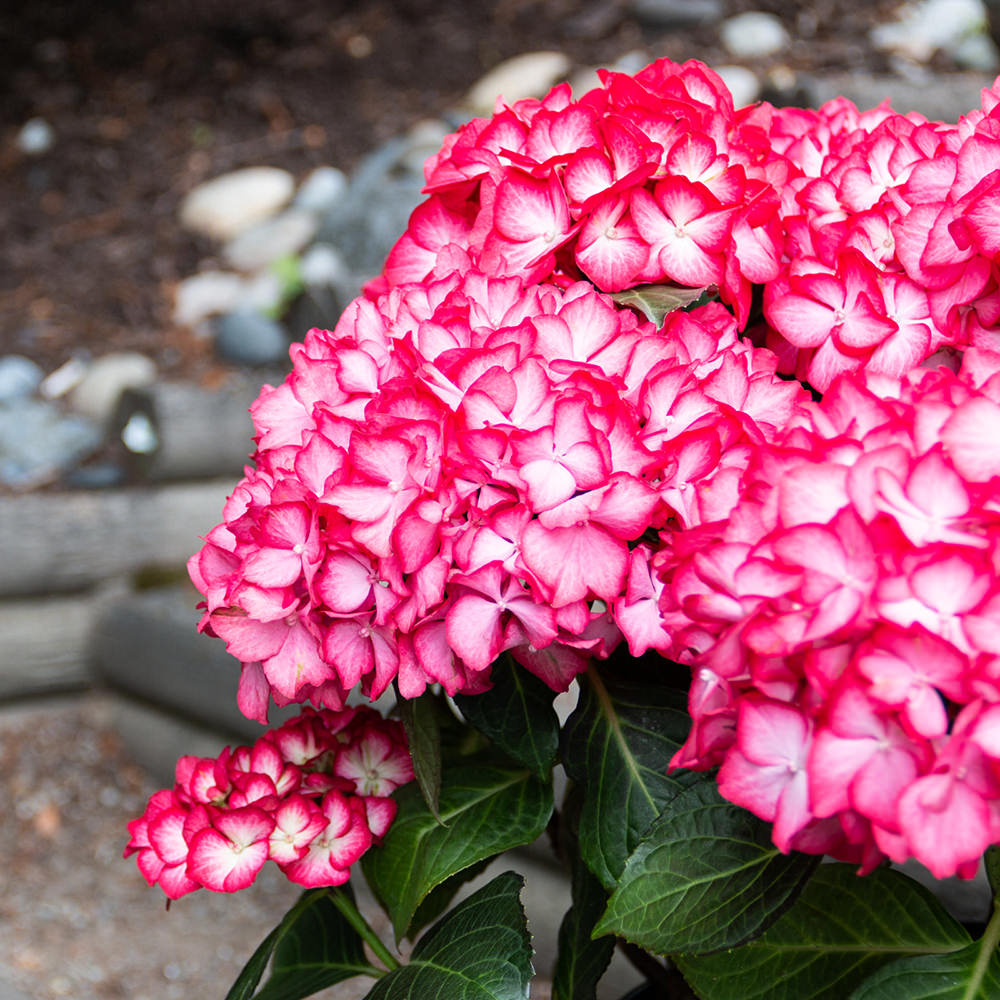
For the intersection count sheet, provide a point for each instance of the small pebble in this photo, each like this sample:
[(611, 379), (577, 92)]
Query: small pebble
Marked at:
[(753, 35), (36, 137), (247, 338)]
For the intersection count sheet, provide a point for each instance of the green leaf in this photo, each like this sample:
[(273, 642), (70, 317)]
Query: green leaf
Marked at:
[(616, 747), (705, 877), (481, 950), (423, 731), (313, 947), (970, 974), (581, 961), (655, 301), (517, 716), (486, 808), (842, 928), (991, 862)]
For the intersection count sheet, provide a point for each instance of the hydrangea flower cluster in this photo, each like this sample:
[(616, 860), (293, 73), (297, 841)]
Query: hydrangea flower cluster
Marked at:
[(506, 444), (844, 624), (311, 795)]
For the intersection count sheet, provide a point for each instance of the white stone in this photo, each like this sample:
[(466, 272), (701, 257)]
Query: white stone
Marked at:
[(64, 378), (529, 75), (322, 264), (322, 189), (208, 293), (742, 83), (227, 205), (36, 137), (264, 293), (265, 243), (923, 28), (977, 52), (98, 392), (753, 35)]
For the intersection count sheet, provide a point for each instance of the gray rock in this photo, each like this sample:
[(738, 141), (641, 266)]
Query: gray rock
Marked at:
[(96, 395), (321, 190), (676, 13), (266, 242), (365, 225), (19, 377), (248, 338), (753, 35), (38, 442), (225, 206)]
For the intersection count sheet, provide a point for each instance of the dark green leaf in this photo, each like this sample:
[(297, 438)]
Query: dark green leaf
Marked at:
[(582, 961), (437, 900), (842, 928), (420, 720), (250, 975), (970, 974), (991, 862), (705, 877), (485, 807), (313, 947), (517, 716), (655, 301), (616, 747), (481, 950)]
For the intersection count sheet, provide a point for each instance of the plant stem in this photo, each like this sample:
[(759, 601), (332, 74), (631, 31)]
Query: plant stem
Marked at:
[(353, 916)]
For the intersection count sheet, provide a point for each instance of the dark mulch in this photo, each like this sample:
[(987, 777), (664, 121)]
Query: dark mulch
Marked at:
[(148, 98)]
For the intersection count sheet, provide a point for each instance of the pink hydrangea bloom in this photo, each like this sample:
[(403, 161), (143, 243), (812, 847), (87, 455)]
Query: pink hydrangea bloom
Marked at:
[(296, 797)]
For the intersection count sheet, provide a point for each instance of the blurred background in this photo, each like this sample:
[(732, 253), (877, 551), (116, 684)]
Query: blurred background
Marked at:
[(185, 189)]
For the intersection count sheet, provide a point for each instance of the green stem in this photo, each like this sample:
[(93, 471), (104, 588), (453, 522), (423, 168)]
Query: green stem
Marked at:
[(353, 916), (987, 946)]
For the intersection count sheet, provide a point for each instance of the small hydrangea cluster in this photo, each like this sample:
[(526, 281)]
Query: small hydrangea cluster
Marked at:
[(844, 624), (312, 795), (498, 449)]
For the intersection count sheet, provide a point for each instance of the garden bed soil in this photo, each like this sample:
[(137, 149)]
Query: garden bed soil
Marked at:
[(146, 100)]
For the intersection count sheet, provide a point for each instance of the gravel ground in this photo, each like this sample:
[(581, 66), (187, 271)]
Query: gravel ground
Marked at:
[(76, 919)]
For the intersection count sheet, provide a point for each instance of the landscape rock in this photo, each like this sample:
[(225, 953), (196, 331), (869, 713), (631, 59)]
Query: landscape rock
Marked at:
[(753, 35), (924, 28), (365, 225), (19, 377), (676, 13), (266, 242), (206, 294), (226, 205), (249, 338), (38, 443), (529, 75), (97, 393), (321, 190)]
